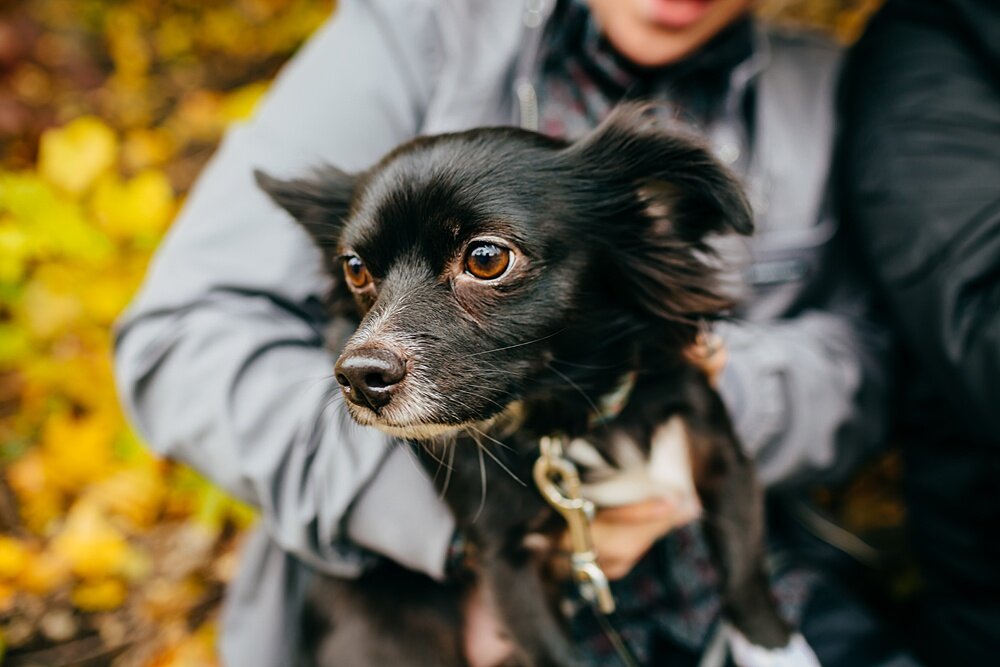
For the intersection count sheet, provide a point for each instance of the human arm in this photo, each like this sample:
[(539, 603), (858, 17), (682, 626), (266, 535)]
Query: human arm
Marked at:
[(807, 391), (922, 172), (221, 360)]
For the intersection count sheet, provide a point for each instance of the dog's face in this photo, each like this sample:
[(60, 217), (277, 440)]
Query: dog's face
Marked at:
[(495, 267)]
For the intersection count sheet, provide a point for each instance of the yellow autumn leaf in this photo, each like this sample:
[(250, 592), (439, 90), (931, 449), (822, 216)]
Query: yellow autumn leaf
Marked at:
[(8, 595), (43, 573), (166, 599), (174, 35), (90, 544), (53, 225), (198, 116), (15, 249), (27, 476), (40, 503), (48, 313), (78, 450), (40, 513), (241, 103), (220, 28), (72, 157), (126, 42), (137, 566), (242, 515), (14, 343), (13, 557), (104, 297), (138, 208), (99, 595), (84, 378), (135, 493), (196, 650), (144, 148)]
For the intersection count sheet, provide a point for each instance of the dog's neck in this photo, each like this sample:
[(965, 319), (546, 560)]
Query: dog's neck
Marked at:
[(571, 410)]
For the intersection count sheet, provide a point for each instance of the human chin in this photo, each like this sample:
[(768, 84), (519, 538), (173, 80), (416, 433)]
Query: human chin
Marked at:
[(655, 33)]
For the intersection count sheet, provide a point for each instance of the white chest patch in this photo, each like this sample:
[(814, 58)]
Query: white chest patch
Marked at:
[(634, 478), (798, 653)]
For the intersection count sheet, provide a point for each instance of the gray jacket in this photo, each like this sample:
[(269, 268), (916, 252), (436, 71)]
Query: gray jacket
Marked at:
[(221, 359)]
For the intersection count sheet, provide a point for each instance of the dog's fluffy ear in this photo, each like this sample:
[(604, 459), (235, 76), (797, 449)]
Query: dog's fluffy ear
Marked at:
[(319, 203), (658, 195), (674, 174)]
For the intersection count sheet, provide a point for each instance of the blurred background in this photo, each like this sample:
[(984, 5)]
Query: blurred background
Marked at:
[(108, 110)]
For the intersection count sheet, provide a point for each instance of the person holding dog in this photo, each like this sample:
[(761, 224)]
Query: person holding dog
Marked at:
[(222, 359)]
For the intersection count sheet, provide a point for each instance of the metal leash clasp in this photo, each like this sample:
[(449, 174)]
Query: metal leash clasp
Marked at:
[(559, 482)]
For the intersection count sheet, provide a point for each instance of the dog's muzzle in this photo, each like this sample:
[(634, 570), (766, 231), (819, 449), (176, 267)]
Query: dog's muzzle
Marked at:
[(369, 376)]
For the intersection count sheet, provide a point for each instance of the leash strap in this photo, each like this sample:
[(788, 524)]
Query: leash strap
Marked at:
[(559, 483), (616, 639)]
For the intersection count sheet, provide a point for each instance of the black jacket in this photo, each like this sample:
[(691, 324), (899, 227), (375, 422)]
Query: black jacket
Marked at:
[(921, 172)]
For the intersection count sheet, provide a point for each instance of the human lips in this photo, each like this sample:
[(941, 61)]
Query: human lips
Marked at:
[(676, 14)]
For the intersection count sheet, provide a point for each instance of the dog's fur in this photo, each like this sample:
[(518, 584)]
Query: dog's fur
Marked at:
[(611, 274)]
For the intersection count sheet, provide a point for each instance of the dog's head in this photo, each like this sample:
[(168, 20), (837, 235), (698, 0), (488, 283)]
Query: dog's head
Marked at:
[(497, 267)]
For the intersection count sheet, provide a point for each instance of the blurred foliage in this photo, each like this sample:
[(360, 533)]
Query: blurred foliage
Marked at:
[(843, 19), (107, 112)]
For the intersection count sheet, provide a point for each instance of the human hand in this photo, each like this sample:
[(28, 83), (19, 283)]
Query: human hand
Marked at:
[(622, 535), (709, 354), (485, 642)]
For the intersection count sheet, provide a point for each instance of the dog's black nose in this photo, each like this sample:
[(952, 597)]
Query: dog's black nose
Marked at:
[(368, 376)]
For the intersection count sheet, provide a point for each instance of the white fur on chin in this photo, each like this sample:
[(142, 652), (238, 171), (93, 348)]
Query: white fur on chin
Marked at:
[(418, 431), (507, 422)]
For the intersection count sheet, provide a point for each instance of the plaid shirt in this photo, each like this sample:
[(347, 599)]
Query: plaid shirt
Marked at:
[(583, 77), (672, 594)]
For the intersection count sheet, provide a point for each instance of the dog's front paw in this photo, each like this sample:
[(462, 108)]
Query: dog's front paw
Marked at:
[(796, 654)]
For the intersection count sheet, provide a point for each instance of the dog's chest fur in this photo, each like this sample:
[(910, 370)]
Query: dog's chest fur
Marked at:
[(661, 468)]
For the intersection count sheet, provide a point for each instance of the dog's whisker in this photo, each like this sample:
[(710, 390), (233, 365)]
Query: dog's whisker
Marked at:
[(492, 368), (334, 401), (482, 396), (569, 380), (494, 456), (449, 466), (510, 347), (488, 436), (616, 334), (588, 367), (482, 482), (413, 456), (426, 449), (337, 424), (311, 382), (470, 408), (451, 469)]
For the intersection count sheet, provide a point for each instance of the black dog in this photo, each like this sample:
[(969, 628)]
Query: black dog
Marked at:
[(508, 283)]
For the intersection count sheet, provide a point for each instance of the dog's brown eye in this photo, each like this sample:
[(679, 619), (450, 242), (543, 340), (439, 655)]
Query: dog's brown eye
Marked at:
[(487, 260), (356, 272)]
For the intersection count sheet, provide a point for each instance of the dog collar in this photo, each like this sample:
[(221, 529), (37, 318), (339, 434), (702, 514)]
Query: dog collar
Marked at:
[(611, 404)]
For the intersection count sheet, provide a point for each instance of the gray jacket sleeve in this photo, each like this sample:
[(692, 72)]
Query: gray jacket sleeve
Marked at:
[(221, 360), (808, 392)]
